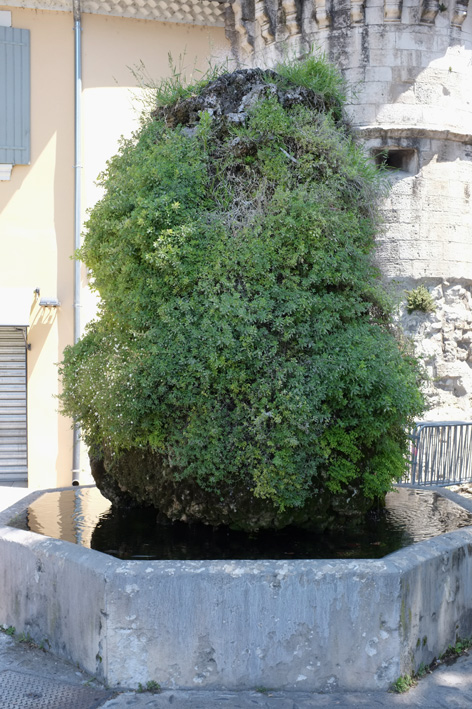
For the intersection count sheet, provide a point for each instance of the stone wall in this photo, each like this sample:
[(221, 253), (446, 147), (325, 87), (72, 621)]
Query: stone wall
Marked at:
[(428, 215), (443, 341), (409, 63)]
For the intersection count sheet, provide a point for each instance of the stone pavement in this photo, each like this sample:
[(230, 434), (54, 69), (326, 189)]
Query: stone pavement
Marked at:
[(31, 678), (34, 679), (447, 687)]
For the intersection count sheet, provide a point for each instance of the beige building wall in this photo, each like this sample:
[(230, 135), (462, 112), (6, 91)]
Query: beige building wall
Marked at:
[(37, 203)]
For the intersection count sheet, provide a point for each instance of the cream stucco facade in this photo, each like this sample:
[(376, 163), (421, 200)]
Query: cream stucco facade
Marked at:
[(37, 202)]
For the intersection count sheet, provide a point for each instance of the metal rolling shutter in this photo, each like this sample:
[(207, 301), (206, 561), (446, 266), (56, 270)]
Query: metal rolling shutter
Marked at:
[(13, 451)]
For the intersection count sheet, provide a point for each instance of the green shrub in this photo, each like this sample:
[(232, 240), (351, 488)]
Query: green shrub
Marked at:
[(243, 332), (403, 684), (420, 299)]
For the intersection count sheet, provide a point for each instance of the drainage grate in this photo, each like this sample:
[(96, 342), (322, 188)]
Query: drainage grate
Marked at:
[(19, 690)]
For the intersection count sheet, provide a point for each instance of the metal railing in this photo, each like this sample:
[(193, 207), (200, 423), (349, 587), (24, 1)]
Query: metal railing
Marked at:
[(441, 453)]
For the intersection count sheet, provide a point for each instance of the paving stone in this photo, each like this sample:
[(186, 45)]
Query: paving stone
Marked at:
[(19, 690)]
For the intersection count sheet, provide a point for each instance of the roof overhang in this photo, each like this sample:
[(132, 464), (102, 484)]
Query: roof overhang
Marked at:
[(193, 12)]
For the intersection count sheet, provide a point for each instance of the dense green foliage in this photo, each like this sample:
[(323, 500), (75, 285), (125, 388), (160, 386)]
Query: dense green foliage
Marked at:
[(420, 299), (243, 330)]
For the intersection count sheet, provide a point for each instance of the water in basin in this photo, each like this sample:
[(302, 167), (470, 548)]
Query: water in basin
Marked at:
[(83, 516)]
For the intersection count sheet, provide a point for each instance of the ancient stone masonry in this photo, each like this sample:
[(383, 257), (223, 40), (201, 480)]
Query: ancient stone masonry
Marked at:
[(429, 11), (392, 10), (357, 11), (460, 12), (212, 12), (410, 63), (443, 340), (274, 21), (322, 15)]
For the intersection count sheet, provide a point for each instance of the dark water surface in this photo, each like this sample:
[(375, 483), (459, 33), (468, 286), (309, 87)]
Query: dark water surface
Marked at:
[(83, 516)]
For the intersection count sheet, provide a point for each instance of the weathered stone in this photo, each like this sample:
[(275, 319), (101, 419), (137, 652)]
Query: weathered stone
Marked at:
[(230, 96), (445, 346), (146, 479)]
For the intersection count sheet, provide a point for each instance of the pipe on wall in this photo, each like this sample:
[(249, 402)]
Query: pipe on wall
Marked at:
[(77, 209)]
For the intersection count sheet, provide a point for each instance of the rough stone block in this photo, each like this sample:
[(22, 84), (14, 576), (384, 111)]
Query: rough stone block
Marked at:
[(406, 74), (402, 92), (376, 92), (412, 57), (362, 115), (400, 114), (374, 15), (377, 57), (414, 39), (378, 74), (383, 40)]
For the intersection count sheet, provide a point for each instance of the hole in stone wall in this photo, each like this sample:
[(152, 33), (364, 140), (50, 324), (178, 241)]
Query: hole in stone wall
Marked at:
[(404, 159)]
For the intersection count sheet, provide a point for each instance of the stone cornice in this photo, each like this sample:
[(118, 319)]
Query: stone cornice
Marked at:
[(249, 18), (395, 131), (255, 27), (194, 12)]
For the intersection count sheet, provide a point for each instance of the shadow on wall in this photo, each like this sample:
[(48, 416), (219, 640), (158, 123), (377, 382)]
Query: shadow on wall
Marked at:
[(42, 321)]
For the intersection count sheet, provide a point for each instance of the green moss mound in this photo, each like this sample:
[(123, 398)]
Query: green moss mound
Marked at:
[(243, 368)]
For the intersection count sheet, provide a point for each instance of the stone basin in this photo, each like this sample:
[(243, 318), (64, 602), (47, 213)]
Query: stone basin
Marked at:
[(315, 625)]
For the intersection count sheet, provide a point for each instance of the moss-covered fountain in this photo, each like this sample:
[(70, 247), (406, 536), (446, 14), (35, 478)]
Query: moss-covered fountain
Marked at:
[(243, 370)]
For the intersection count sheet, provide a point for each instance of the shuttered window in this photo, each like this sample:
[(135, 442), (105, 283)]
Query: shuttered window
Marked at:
[(13, 448), (14, 96)]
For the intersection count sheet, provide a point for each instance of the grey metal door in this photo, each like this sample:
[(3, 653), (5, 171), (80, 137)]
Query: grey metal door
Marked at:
[(13, 436)]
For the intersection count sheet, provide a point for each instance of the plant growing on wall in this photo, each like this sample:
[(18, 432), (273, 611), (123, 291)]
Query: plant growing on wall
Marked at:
[(243, 367), (420, 299)]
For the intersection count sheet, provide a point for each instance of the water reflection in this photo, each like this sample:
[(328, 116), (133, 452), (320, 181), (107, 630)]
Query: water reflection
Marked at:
[(83, 516), (70, 515)]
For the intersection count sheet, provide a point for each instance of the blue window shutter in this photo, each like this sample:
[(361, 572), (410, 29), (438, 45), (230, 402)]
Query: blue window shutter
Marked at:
[(15, 126)]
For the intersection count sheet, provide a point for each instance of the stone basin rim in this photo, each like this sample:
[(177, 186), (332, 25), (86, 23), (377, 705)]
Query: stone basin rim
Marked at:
[(418, 551), (307, 625)]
